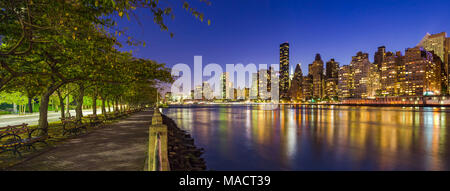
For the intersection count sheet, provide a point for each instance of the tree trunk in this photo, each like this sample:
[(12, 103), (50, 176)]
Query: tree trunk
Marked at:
[(109, 107), (68, 105), (43, 111), (94, 102), (30, 105), (61, 104), (103, 106), (79, 108), (117, 105)]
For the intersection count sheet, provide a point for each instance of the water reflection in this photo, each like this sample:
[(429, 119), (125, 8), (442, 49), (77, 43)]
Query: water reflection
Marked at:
[(319, 137)]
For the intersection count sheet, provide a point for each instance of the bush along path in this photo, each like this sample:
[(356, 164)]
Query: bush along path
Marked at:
[(183, 154)]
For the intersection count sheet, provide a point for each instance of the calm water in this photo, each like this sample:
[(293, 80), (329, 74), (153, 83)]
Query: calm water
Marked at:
[(319, 137)]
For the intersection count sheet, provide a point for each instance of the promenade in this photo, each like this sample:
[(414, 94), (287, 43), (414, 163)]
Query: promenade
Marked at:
[(119, 146)]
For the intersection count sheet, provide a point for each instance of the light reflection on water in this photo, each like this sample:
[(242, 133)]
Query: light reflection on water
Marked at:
[(319, 137)]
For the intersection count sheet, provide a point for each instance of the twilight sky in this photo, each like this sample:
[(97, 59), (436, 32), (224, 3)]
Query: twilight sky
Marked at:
[(250, 31)]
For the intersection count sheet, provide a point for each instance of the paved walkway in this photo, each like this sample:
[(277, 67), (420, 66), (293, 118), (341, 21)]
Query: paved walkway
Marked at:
[(120, 146)]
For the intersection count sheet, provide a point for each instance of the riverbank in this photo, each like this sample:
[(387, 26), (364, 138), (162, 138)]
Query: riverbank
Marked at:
[(182, 152)]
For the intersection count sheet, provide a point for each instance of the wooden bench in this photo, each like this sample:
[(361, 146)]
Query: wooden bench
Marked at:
[(108, 116), (94, 120), (12, 138), (72, 126)]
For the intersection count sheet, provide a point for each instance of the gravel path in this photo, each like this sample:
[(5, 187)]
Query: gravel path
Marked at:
[(119, 146)]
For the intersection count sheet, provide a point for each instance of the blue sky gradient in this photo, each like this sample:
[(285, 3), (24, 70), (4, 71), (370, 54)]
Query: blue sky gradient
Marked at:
[(250, 31)]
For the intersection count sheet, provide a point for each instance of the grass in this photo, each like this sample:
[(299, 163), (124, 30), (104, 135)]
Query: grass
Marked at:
[(4, 112), (8, 159)]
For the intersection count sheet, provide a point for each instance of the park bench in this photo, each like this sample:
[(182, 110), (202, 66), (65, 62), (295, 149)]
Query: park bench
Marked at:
[(94, 120), (12, 138), (72, 126), (108, 116)]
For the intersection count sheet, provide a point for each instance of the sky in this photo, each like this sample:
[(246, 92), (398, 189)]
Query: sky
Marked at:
[(250, 31)]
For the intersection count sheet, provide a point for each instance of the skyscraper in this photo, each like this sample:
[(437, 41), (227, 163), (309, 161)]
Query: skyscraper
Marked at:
[(254, 87), (439, 44), (344, 85), (360, 67), (316, 71), (331, 78), (296, 89), (389, 72), (307, 85), (422, 73), (379, 57), (227, 86), (262, 84), (284, 71)]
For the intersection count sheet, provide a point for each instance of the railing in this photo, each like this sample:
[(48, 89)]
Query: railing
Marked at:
[(157, 146)]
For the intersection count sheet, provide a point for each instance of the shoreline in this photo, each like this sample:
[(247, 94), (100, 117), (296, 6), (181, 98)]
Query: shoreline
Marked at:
[(183, 154)]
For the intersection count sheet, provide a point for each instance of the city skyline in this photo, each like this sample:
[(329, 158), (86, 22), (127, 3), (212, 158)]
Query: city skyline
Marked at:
[(422, 70)]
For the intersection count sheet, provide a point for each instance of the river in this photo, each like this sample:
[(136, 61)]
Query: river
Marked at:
[(294, 137)]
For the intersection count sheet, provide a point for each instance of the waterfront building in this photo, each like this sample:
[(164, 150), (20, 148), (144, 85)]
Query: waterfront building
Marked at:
[(389, 71), (439, 44), (208, 93), (316, 71), (344, 82), (227, 85), (373, 83), (270, 72), (168, 97), (331, 79), (360, 69), (307, 85), (262, 76), (198, 93), (422, 73), (447, 63), (240, 93), (284, 71), (247, 93), (296, 89), (379, 57), (254, 87)]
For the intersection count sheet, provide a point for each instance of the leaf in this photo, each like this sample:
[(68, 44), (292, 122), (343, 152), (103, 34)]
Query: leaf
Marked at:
[(209, 22), (120, 14)]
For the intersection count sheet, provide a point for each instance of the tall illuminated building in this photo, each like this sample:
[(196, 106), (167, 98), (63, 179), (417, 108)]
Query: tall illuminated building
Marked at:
[(439, 44), (344, 82), (227, 85), (389, 72), (379, 57), (422, 73), (254, 87), (316, 71), (331, 78), (307, 86), (208, 93), (360, 68), (262, 77), (296, 89), (284, 71)]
